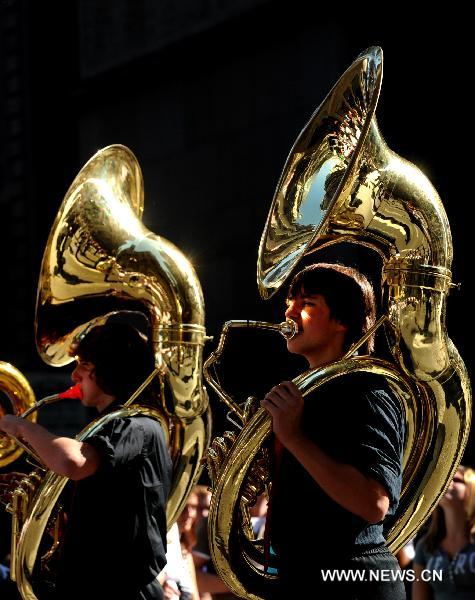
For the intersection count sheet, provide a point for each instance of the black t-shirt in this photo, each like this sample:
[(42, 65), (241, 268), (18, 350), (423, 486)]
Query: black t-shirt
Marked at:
[(357, 420), (450, 578), (115, 540)]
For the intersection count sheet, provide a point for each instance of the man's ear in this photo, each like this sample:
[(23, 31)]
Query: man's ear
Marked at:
[(341, 326)]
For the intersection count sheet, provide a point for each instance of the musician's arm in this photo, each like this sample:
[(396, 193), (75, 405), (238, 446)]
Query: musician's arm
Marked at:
[(345, 484), (63, 455), (361, 495)]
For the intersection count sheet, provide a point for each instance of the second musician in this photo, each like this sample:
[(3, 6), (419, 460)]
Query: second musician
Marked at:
[(338, 453), (115, 528)]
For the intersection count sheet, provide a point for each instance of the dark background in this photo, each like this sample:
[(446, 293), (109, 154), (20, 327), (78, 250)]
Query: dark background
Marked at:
[(210, 96)]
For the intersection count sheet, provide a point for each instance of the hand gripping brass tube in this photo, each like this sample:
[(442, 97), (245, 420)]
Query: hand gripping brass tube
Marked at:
[(341, 183)]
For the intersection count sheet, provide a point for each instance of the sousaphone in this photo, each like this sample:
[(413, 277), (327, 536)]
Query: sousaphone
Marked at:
[(341, 183), (101, 259)]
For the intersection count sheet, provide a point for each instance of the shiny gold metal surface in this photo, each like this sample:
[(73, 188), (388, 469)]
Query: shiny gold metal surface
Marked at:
[(288, 329), (100, 259), (342, 183), (17, 389)]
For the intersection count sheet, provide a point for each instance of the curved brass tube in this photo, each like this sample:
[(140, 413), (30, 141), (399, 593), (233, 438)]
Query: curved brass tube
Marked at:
[(16, 387), (342, 183), (100, 259), (288, 329)]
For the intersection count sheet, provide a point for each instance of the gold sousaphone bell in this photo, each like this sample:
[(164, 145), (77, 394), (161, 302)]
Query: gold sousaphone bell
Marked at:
[(341, 183)]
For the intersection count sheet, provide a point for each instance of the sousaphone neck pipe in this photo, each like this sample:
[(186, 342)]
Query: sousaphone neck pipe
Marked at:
[(287, 328), (72, 392)]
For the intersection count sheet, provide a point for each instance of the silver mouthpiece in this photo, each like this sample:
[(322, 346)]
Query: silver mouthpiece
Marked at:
[(288, 329)]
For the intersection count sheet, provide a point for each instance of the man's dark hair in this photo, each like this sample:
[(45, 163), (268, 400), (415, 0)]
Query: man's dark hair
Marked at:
[(121, 355), (348, 294)]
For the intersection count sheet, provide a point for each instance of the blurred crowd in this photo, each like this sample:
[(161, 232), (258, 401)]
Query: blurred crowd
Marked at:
[(440, 561)]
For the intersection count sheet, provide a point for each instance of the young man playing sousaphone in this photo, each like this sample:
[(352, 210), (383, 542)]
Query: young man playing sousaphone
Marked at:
[(339, 472), (115, 535)]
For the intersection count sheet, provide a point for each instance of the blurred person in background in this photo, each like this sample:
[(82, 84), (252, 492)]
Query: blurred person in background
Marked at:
[(444, 563)]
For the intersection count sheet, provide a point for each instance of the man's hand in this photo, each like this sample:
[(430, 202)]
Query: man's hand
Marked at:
[(11, 425), (347, 486), (285, 404), (63, 455), (170, 589)]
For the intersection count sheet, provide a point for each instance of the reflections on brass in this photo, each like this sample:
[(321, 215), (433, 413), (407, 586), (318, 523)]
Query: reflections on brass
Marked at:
[(341, 182), (100, 259)]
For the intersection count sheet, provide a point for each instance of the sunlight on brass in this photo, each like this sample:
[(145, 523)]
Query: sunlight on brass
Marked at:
[(342, 183), (100, 259), (17, 389), (287, 329)]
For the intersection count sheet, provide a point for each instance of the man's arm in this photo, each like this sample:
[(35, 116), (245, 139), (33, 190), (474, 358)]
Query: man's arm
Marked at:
[(62, 455), (361, 495)]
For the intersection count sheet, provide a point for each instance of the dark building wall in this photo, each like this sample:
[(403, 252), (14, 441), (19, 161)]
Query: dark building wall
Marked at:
[(14, 179), (211, 127)]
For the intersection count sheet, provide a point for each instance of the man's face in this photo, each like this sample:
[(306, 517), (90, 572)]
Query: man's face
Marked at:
[(92, 394), (190, 512), (204, 500), (320, 337), (456, 491)]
